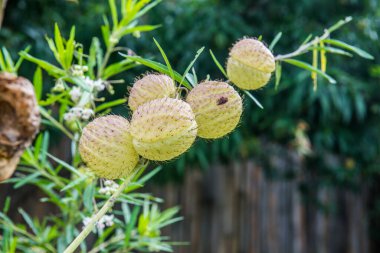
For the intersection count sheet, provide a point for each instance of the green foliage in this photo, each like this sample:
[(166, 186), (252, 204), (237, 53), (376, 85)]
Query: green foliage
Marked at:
[(80, 77)]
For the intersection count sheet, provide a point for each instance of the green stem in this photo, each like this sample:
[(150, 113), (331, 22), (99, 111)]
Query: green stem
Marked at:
[(91, 225), (55, 122), (106, 59)]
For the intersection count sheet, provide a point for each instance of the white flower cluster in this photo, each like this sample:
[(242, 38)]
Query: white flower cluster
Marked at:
[(77, 113), (76, 95), (105, 221), (97, 85), (78, 70), (109, 187)]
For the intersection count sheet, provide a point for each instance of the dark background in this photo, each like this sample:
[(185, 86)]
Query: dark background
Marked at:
[(315, 196)]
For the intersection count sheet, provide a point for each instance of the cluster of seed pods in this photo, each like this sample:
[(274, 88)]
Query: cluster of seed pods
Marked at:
[(164, 125)]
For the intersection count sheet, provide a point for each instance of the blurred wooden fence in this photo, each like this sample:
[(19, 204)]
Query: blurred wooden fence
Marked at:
[(236, 209)]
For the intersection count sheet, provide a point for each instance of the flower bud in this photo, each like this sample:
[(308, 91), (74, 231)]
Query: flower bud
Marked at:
[(150, 87), (250, 64), (106, 147), (217, 108), (163, 129)]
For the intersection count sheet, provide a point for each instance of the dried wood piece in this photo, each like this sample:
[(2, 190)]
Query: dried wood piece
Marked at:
[(19, 120)]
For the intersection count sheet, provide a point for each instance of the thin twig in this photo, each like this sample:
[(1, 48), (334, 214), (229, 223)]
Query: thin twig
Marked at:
[(105, 208), (306, 47), (91, 225)]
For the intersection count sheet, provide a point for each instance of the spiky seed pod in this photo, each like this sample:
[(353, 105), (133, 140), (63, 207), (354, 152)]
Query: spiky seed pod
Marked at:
[(106, 147), (250, 64), (217, 108), (19, 120), (150, 87), (163, 129)]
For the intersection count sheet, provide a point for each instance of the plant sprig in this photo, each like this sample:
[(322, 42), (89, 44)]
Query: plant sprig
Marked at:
[(319, 46)]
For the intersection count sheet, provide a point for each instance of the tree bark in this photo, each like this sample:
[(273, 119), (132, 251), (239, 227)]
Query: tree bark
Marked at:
[(3, 3)]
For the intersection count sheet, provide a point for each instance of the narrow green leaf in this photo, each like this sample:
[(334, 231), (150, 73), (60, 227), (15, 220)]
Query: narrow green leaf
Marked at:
[(7, 204), (346, 46), (28, 220), (142, 28), (27, 180), (106, 34), (21, 59), (165, 59), (254, 99), (131, 224), (70, 48), (91, 61), (59, 42), (107, 105), (275, 40), (64, 164), (53, 49), (99, 56), (218, 64), (115, 19), (44, 148), (37, 83), (195, 77), (278, 74), (199, 52), (332, 50), (148, 176), (88, 196), (339, 24), (308, 38), (37, 146), (8, 61), (117, 68), (169, 222), (147, 8), (3, 66), (158, 67), (51, 69), (309, 67)]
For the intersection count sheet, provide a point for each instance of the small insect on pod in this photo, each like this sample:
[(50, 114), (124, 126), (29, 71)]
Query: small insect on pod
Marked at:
[(217, 108)]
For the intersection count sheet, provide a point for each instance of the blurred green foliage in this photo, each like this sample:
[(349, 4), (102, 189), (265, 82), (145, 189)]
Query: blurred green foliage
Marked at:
[(342, 119)]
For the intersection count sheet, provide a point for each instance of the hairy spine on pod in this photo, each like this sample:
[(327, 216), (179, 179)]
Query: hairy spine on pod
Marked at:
[(150, 87), (250, 64), (217, 108), (163, 129), (106, 147)]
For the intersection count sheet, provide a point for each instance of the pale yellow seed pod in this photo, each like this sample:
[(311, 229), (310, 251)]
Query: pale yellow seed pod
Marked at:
[(163, 129), (217, 108), (106, 147), (150, 87), (250, 64)]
